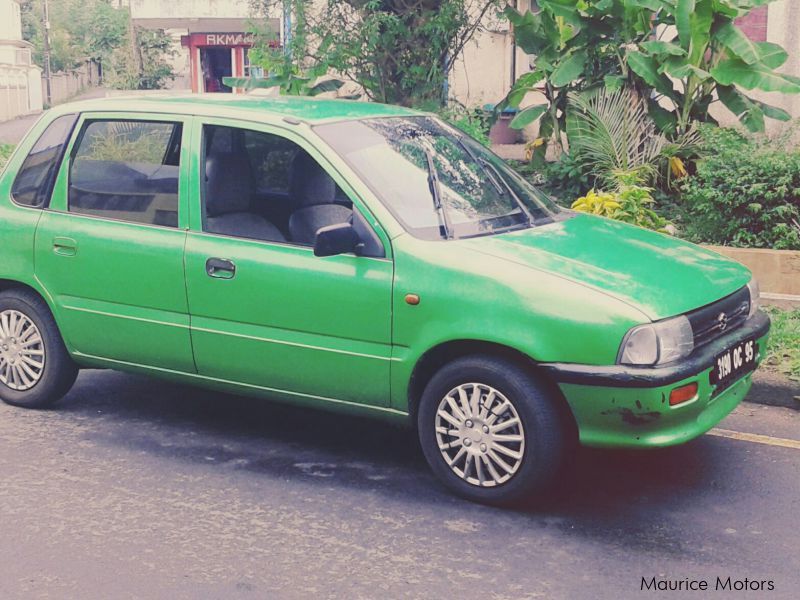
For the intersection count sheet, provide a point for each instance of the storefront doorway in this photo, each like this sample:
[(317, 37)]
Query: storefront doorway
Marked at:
[(215, 63)]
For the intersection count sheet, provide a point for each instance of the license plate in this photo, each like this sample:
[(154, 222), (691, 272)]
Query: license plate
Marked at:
[(733, 363)]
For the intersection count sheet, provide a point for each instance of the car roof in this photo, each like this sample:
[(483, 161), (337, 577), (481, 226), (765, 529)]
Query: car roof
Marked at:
[(249, 107)]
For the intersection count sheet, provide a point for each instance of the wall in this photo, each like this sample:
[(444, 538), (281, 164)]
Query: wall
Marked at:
[(66, 84), (160, 9), (777, 271)]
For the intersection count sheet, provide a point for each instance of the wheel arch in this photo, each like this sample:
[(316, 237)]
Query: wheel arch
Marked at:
[(433, 359), (13, 284)]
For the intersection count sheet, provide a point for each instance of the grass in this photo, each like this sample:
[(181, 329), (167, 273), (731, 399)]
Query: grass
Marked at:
[(5, 154), (783, 355)]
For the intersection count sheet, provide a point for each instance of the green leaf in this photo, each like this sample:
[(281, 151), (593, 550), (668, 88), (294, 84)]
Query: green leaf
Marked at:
[(772, 55), (528, 80), (528, 116), (614, 82), (329, 85), (679, 68), (653, 5), (527, 30), (735, 40), (750, 115), (646, 67), (657, 47), (773, 112), (683, 22), (251, 83), (569, 69), (753, 77), (665, 120)]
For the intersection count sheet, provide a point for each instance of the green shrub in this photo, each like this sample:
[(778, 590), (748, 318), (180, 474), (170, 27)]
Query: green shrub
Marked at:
[(6, 150), (475, 122), (745, 192)]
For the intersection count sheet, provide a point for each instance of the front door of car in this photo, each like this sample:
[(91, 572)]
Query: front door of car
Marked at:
[(109, 250), (265, 311)]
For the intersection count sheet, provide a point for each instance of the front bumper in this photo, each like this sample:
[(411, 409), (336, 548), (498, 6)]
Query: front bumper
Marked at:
[(620, 406)]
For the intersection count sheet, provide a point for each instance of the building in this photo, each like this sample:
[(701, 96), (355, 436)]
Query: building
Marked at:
[(211, 38), (20, 79)]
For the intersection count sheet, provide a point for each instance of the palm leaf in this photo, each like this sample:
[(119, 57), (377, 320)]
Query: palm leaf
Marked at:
[(613, 135)]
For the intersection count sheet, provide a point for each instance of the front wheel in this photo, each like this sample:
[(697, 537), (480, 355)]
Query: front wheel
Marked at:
[(491, 432)]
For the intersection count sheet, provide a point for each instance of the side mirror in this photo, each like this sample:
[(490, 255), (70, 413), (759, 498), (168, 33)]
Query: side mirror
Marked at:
[(335, 239)]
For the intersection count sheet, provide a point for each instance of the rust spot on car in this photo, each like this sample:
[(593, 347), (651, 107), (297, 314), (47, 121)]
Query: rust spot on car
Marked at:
[(634, 418)]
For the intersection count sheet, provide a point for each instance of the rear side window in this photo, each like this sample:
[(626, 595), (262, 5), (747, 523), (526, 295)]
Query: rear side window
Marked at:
[(34, 183), (127, 171)]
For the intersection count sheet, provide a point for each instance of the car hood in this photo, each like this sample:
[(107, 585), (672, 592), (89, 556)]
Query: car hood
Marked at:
[(656, 273)]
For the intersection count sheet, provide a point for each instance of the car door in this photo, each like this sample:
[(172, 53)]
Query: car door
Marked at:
[(265, 311), (109, 249)]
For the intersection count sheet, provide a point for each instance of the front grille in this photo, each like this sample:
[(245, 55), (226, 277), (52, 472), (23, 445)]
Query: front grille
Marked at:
[(719, 318)]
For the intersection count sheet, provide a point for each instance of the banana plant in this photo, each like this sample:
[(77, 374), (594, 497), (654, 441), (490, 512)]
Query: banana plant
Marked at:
[(682, 55), (290, 81), (700, 55)]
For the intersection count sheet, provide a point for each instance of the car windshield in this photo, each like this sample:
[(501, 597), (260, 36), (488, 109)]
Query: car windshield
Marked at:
[(409, 161)]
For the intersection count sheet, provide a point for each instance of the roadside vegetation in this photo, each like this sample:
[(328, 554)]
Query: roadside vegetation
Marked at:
[(784, 349), (6, 150)]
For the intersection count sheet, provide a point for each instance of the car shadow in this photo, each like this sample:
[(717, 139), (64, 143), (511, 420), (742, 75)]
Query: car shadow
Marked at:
[(600, 491)]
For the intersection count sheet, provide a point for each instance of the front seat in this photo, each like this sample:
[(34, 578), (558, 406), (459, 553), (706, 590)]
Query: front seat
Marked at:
[(230, 187), (313, 192)]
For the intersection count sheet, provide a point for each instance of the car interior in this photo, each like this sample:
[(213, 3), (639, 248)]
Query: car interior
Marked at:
[(264, 187), (257, 185), (143, 189)]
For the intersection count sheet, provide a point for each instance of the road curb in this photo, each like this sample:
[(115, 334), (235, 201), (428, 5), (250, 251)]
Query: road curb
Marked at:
[(773, 390)]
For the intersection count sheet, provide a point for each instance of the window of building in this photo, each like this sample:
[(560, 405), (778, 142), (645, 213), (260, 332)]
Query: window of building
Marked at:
[(127, 170), (34, 183)]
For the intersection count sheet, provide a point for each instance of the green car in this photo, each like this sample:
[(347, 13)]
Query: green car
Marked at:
[(363, 258)]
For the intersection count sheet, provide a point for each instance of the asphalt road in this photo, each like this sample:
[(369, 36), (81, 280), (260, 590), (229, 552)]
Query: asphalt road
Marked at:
[(134, 488)]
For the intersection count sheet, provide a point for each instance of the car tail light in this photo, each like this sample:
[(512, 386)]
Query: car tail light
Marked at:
[(683, 394)]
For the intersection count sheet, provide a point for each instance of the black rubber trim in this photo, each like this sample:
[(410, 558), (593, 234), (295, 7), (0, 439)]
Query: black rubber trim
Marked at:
[(645, 377)]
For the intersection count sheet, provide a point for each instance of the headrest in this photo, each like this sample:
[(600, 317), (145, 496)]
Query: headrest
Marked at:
[(309, 184), (229, 184)]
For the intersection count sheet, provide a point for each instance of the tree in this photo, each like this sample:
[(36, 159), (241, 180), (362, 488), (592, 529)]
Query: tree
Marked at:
[(398, 51), (96, 30), (681, 55)]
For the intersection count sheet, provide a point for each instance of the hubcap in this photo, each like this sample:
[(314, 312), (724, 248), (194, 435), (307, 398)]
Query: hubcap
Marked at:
[(480, 434), (21, 351)]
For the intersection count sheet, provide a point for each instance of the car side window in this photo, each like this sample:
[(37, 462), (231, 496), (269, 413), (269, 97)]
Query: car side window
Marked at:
[(34, 183), (265, 187), (127, 170)]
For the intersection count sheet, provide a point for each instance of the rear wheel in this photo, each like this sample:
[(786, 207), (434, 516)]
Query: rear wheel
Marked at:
[(491, 432), (35, 367)]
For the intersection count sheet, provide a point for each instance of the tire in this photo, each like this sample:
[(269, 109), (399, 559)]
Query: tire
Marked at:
[(539, 442), (49, 373)]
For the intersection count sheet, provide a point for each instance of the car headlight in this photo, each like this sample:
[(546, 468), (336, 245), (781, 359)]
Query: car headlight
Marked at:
[(657, 343), (755, 297)]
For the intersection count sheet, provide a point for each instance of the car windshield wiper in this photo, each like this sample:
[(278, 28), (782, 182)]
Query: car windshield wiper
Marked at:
[(436, 193), (520, 204), (482, 164)]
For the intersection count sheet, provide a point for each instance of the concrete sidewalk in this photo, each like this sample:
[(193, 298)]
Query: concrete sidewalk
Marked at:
[(12, 132)]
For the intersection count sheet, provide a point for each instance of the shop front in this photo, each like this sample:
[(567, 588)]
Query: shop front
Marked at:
[(214, 56)]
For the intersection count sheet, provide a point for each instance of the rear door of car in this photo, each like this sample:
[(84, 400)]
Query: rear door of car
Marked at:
[(109, 248)]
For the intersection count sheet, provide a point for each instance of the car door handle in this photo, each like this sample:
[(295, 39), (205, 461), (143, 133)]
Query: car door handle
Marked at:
[(220, 268), (65, 246)]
